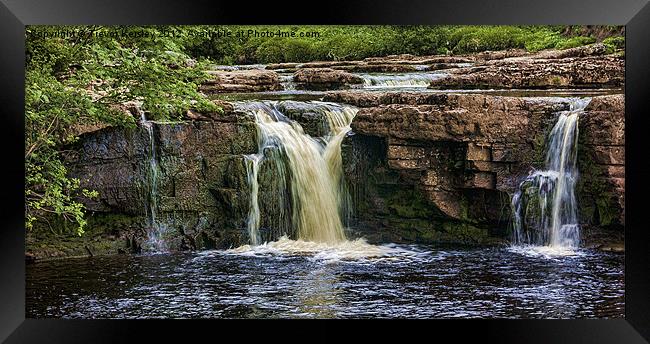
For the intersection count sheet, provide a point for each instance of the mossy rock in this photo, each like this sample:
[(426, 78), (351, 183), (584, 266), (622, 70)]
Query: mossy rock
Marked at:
[(466, 233)]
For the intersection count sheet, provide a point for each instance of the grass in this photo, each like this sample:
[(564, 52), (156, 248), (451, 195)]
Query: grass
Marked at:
[(358, 42)]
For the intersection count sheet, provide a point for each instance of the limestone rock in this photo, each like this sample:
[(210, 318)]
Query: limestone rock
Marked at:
[(324, 78), (601, 162), (247, 80), (530, 72)]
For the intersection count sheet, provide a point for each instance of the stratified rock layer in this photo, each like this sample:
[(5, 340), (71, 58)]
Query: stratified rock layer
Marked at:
[(583, 67), (249, 80), (324, 78)]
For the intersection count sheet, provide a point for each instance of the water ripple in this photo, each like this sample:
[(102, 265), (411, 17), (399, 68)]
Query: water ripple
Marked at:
[(293, 279)]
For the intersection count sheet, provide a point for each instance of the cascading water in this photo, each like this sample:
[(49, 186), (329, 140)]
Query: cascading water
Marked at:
[(545, 207), (252, 169), (154, 232), (314, 170), (286, 80), (399, 80)]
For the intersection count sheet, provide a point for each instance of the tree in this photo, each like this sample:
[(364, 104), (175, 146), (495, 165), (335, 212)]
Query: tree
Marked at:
[(77, 75)]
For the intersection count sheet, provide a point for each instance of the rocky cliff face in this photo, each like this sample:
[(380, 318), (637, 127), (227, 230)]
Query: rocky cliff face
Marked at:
[(433, 168), (203, 194), (601, 160), (589, 72), (443, 167)]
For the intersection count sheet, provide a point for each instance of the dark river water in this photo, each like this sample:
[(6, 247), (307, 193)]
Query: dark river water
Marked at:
[(342, 282)]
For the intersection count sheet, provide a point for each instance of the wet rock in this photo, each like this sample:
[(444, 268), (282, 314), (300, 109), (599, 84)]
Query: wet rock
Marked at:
[(378, 68), (500, 54), (603, 238), (286, 65), (310, 118), (388, 64), (597, 49), (373, 99)]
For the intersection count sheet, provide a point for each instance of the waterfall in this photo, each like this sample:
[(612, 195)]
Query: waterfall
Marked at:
[(545, 207), (314, 169), (399, 80), (253, 223), (154, 231), (286, 80)]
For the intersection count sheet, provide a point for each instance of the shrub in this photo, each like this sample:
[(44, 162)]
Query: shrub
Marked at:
[(615, 43)]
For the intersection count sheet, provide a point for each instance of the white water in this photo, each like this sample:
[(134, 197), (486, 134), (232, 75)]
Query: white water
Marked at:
[(318, 197), (287, 82), (554, 223), (350, 250), (253, 224), (155, 231)]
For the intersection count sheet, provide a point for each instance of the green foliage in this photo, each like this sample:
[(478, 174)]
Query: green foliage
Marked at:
[(542, 39), (574, 42), (358, 42), (78, 80), (471, 39), (615, 43)]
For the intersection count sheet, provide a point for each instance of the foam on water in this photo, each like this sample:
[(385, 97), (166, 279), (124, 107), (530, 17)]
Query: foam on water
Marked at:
[(548, 252), (351, 250), (420, 80)]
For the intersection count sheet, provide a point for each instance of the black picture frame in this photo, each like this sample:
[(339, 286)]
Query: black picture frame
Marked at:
[(634, 14)]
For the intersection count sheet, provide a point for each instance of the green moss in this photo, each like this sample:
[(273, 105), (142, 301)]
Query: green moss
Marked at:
[(106, 223), (407, 203), (606, 215), (556, 80), (540, 148), (431, 236), (597, 204), (466, 233)]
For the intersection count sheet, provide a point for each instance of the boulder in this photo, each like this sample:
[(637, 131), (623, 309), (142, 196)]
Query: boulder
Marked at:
[(324, 78), (246, 80)]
